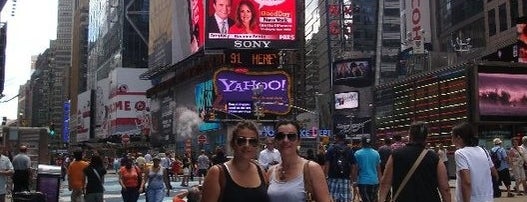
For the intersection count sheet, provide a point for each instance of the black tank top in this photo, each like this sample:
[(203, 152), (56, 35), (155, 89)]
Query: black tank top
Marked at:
[(236, 193)]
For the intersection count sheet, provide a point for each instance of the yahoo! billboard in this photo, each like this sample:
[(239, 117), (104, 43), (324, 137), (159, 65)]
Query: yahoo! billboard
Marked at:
[(251, 24), (274, 95)]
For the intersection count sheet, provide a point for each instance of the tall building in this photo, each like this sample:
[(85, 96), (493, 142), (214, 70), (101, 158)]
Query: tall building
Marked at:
[(79, 58), (117, 37)]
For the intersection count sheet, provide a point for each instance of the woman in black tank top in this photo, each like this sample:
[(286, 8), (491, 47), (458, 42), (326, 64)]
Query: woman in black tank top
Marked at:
[(239, 179)]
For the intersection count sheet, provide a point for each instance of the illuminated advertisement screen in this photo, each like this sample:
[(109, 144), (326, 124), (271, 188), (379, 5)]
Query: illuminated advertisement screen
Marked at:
[(251, 24), (349, 100), (353, 72), (502, 95), (233, 87), (204, 94)]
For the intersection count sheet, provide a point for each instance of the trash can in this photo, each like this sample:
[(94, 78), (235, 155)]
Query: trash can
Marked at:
[(48, 181)]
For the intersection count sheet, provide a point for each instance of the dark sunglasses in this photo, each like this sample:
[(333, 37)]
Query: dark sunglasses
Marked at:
[(241, 141), (281, 136)]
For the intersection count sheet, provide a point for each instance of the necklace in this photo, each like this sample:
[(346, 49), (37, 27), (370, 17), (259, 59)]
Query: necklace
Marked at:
[(282, 173)]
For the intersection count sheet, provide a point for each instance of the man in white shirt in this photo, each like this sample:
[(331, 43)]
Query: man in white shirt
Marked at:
[(6, 170), (269, 156)]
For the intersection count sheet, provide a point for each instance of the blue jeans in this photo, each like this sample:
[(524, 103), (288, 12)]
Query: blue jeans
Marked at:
[(155, 195)]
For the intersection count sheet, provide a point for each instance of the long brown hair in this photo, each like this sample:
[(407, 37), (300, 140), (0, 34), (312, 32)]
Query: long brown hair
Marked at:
[(252, 23)]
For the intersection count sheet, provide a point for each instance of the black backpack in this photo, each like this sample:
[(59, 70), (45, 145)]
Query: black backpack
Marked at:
[(495, 158), (340, 164)]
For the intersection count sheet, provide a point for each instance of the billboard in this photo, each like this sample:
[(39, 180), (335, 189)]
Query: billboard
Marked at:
[(502, 95), (204, 96), (418, 31), (231, 87), (101, 108), (353, 72), (354, 127), (251, 24), (66, 122), (162, 108), (176, 30), (129, 109), (349, 100), (83, 116)]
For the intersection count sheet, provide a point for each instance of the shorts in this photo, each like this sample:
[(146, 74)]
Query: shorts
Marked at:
[(518, 172), (505, 177), (339, 189)]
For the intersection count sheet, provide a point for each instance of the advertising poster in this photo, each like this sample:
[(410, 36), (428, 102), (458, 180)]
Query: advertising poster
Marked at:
[(83, 116), (354, 127), (204, 97), (349, 100), (129, 108), (502, 94), (66, 122), (101, 108), (251, 24), (353, 72), (232, 87)]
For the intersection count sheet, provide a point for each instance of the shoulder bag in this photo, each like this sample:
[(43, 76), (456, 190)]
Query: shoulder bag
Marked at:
[(100, 178), (410, 173), (308, 185)]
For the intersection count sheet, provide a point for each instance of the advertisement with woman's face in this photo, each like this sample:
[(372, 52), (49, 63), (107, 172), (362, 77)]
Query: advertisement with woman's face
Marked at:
[(250, 24)]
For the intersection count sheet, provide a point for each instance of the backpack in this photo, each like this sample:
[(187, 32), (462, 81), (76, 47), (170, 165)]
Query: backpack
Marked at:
[(340, 164), (494, 156)]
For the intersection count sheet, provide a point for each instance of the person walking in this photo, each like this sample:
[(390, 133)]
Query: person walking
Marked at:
[(95, 173), (428, 176), (503, 169), (22, 166), (203, 166), (157, 180), (130, 178), (295, 176), (338, 167), (367, 171), (473, 166), (76, 177), (241, 178), (518, 157), (6, 171)]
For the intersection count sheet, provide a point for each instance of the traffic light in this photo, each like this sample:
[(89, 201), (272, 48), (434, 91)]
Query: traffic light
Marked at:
[(52, 129)]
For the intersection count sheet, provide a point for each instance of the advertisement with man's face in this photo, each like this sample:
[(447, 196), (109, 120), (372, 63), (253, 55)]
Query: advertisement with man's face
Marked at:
[(353, 72), (272, 90), (251, 24)]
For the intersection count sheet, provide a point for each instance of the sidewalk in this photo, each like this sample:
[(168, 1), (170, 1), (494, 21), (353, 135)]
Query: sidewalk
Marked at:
[(503, 198)]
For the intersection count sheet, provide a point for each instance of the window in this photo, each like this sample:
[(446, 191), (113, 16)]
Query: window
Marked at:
[(503, 17), (491, 17)]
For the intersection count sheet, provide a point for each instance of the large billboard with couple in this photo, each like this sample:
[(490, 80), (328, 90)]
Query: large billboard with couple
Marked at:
[(250, 24)]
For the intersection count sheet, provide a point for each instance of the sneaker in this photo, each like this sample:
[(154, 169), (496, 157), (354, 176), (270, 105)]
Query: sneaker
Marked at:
[(519, 194)]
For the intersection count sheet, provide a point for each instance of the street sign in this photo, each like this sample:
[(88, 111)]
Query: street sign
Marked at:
[(202, 139), (125, 139)]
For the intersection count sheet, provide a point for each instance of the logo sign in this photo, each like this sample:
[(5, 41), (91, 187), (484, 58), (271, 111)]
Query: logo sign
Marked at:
[(274, 96), (268, 131), (269, 24)]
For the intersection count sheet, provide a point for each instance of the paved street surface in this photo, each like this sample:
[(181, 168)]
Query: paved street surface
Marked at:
[(113, 191)]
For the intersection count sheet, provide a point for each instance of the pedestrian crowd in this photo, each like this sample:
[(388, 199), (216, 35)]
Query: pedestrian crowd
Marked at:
[(405, 168)]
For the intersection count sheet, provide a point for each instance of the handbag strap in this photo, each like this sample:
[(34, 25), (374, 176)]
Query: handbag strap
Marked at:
[(410, 173), (98, 176), (307, 180)]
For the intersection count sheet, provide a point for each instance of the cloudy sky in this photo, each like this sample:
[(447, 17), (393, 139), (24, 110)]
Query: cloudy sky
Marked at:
[(28, 33)]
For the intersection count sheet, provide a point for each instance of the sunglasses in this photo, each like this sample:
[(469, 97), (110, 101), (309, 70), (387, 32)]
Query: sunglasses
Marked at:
[(242, 141), (281, 136)]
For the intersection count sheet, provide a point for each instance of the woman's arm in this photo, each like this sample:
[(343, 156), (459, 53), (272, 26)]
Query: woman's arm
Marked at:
[(386, 180), (144, 179), (318, 179), (442, 180), (211, 185)]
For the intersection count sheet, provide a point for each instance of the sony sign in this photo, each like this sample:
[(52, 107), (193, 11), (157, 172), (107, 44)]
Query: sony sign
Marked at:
[(252, 44)]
